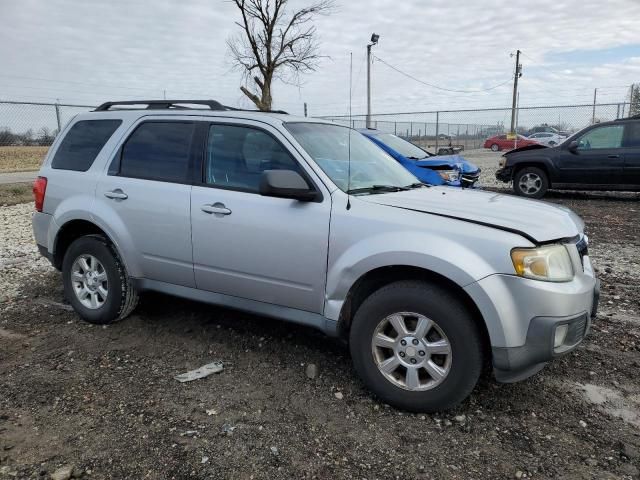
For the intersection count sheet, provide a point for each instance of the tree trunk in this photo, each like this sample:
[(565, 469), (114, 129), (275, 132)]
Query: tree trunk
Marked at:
[(264, 101)]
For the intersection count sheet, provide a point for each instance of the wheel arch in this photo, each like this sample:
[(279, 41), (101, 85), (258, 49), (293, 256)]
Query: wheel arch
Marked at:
[(377, 278), (71, 231), (541, 164)]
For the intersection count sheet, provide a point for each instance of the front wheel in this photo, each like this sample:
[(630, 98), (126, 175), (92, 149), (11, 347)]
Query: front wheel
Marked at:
[(416, 346), (495, 147), (95, 281), (531, 182)]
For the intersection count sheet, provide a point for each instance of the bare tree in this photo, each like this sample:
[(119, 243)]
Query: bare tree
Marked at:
[(274, 43), (634, 108)]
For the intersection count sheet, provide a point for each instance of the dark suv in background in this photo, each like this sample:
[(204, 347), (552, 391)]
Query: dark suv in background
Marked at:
[(605, 156)]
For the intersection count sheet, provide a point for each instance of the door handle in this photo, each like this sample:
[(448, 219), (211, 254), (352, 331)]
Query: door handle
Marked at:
[(217, 208), (116, 194), (613, 156)]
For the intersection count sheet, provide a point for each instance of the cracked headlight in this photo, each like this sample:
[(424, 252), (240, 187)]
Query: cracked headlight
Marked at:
[(449, 175), (551, 263)]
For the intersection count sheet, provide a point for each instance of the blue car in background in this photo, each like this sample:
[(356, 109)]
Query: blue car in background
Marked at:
[(452, 170)]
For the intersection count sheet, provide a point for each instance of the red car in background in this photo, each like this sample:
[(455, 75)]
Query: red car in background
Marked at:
[(500, 142)]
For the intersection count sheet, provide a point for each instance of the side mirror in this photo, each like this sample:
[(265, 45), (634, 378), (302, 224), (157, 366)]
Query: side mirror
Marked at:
[(573, 146), (286, 184)]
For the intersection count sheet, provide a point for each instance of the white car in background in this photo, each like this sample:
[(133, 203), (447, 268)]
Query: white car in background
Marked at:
[(547, 138)]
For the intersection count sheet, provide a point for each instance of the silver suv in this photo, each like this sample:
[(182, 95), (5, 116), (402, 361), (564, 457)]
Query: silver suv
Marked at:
[(310, 222)]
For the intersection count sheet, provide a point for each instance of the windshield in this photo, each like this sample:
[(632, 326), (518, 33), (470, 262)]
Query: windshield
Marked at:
[(371, 167), (403, 147)]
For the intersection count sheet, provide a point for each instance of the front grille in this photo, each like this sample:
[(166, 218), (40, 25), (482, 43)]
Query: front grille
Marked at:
[(576, 331), (470, 178)]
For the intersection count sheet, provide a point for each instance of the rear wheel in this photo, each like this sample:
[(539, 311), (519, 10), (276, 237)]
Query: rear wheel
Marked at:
[(416, 346), (531, 182), (95, 281), (495, 147)]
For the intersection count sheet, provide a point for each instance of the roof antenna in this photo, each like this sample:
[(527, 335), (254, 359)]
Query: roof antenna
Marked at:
[(349, 133)]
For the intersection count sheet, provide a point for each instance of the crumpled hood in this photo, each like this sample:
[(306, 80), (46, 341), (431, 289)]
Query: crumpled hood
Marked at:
[(453, 161), (537, 146), (536, 220)]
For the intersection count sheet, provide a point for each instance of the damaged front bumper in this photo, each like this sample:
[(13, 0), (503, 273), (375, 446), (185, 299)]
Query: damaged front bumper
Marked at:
[(504, 174)]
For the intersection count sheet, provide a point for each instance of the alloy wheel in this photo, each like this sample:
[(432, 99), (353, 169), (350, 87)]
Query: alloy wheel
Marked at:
[(530, 183), (89, 281), (411, 351)]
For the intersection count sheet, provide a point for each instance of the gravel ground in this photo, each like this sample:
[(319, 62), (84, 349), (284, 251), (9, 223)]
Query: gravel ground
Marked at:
[(103, 403)]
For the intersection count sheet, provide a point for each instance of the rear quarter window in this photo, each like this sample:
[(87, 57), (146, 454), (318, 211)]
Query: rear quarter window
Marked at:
[(82, 144)]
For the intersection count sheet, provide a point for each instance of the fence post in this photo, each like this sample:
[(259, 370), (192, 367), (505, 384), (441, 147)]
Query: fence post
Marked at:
[(58, 116), (395, 128), (437, 129), (411, 127)]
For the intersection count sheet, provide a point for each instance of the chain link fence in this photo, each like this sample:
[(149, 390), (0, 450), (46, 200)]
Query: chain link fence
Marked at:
[(36, 124), (468, 129)]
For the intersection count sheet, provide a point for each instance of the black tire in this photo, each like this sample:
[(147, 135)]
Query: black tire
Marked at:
[(121, 299), (451, 316), (535, 192), (495, 147)]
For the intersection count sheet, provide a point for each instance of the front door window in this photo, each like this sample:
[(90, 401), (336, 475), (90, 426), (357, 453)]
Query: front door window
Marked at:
[(609, 136)]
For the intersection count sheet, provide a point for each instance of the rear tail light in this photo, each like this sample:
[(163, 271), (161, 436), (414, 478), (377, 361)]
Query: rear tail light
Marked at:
[(39, 189)]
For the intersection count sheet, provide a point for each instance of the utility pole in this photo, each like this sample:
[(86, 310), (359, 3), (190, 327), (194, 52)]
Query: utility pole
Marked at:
[(517, 117), (305, 109), (593, 115), (631, 88), (374, 41), (58, 114), (518, 73)]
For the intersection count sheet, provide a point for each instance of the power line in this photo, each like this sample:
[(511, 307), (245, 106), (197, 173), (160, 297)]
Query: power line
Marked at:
[(436, 86)]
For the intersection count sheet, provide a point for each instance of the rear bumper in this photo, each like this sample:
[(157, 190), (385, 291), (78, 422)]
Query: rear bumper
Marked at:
[(504, 174), (45, 253), (41, 223)]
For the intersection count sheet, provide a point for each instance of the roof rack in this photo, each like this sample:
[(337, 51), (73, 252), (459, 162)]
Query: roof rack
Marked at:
[(624, 119), (178, 105), (164, 104)]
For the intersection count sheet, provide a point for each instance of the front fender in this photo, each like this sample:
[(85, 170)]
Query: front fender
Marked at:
[(544, 161), (448, 258)]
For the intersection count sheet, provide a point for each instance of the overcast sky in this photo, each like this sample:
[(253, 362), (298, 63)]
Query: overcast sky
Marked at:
[(93, 51)]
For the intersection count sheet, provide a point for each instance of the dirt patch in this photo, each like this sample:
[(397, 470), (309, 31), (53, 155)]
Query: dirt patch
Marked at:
[(614, 402), (15, 193), (21, 159), (105, 400)]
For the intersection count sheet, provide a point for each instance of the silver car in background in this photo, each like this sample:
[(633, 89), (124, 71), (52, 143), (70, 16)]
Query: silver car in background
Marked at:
[(310, 222), (548, 139)]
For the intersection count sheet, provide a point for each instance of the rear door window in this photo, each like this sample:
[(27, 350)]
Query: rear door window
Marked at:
[(158, 151), (82, 144)]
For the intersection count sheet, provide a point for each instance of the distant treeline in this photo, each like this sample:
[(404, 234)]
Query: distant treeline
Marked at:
[(43, 137)]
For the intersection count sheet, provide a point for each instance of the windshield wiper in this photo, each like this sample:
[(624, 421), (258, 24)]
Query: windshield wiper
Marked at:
[(416, 158), (418, 185), (377, 189)]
